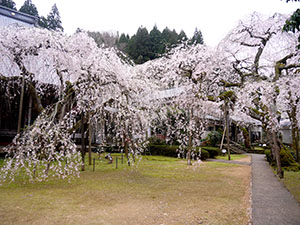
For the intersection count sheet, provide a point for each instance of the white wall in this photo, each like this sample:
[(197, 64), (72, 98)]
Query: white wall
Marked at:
[(286, 136), (6, 21)]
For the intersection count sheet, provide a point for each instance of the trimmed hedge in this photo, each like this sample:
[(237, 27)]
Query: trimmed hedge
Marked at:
[(213, 151), (204, 154), (171, 151), (163, 150)]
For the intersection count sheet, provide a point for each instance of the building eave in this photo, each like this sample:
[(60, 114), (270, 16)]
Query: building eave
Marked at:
[(23, 17)]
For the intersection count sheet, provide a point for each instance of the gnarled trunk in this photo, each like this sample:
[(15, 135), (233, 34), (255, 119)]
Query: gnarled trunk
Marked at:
[(246, 136), (295, 129), (276, 149)]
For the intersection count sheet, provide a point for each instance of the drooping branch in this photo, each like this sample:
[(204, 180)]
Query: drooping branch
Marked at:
[(282, 65)]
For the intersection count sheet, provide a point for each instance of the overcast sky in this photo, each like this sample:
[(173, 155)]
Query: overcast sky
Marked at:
[(214, 18)]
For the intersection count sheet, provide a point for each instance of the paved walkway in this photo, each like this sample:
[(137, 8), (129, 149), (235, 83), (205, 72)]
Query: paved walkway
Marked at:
[(271, 201)]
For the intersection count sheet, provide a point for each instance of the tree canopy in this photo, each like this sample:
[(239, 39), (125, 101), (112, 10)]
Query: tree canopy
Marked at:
[(9, 4), (253, 73), (144, 46), (197, 37), (29, 8), (293, 24), (53, 20)]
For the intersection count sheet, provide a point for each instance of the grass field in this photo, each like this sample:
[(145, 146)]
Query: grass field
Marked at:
[(159, 190), (292, 182), (233, 157)]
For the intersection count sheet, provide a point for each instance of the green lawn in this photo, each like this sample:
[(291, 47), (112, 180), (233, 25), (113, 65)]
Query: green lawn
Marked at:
[(158, 190), (292, 182), (232, 157)]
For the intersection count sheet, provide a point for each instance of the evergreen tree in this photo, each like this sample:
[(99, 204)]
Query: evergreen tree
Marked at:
[(53, 20), (123, 41), (144, 46), (78, 30), (182, 36), (9, 4), (124, 38), (138, 47), (29, 8), (43, 22), (170, 38), (293, 24), (197, 38), (156, 43)]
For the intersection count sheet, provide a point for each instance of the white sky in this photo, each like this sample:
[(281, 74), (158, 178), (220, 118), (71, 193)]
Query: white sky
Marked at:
[(214, 18)]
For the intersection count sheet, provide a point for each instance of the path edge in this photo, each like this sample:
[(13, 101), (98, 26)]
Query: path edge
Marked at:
[(250, 210)]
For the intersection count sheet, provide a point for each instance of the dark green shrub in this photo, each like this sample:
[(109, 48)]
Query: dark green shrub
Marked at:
[(295, 167), (204, 154), (172, 151), (213, 151), (111, 149), (163, 150), (156, 141), (268, 155), (286, 157), (214, 138), (287, 160)]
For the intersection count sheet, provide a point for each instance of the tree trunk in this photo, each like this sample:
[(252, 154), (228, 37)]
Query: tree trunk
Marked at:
[(21, 104), (29, 111), (270, 138), (62, 112), (126, 144), (246, 136), (227, 129), (126, 149), (82, 143), (90, 142), (295, 130), (37, 103), (277, 154), (133, 149), (297, 139), (189, 161)]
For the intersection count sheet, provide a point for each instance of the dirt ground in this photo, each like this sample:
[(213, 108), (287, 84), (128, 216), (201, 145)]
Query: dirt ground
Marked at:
[(246, 159)]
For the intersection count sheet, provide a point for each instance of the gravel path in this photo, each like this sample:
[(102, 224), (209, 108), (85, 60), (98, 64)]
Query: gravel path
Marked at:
[(272, 203)]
